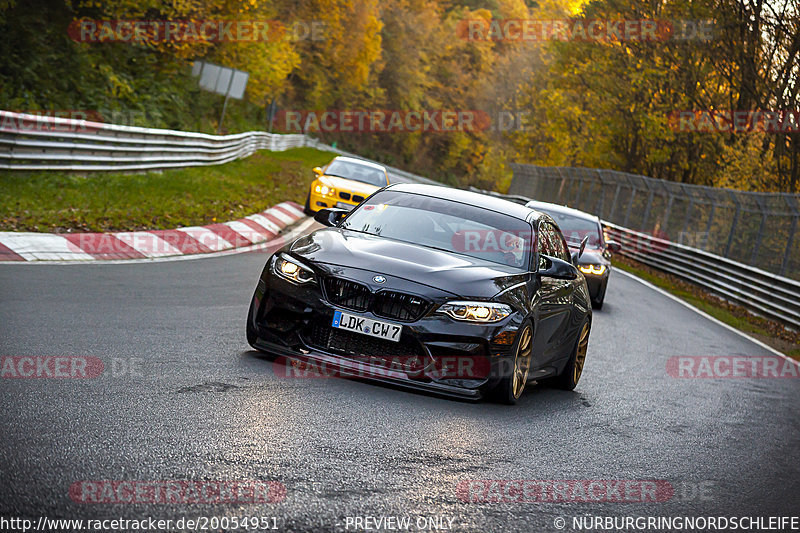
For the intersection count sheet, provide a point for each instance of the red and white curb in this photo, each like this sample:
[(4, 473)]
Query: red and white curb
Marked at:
[(246, 234)]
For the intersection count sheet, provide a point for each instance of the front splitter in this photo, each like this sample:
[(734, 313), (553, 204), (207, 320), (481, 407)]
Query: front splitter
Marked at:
[(350, 369)]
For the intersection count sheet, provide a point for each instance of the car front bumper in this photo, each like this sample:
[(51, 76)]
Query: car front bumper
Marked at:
[(345, 368), (435, 353), (596, 283), (317, 201)]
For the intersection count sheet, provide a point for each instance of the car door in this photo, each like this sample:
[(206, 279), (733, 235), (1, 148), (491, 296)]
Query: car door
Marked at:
[(555, 308)]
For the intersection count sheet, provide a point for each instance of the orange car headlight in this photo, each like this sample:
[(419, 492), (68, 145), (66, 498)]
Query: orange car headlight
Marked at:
[(292, 270), (596, 270), (483, 312)]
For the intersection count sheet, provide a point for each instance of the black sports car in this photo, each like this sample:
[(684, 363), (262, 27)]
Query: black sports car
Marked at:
[(429, 287), (595, 261)]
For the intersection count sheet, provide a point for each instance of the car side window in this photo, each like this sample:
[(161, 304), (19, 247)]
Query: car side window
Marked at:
[(552, 243), (559, 244), (545, 245)]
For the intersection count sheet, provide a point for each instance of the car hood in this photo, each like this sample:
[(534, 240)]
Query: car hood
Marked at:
[(353, 186), (460, 275)]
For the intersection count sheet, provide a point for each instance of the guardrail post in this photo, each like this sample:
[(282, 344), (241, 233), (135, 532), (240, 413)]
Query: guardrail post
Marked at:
[(647, 207), (733, 224), (630, 202), (688, 216), (576, 203), (667, 211), (757, 244), (599, 205), (561, 187), (710, 221)]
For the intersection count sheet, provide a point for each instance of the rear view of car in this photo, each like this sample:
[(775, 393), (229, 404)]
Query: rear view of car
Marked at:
[(595, 262), (344, 183)]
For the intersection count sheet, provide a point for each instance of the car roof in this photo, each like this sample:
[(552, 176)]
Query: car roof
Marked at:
[(561, 209), (492, 203), (359, 161)]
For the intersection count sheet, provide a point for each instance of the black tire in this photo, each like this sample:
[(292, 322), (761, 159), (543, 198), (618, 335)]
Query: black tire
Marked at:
[(307, 209), (569, 377), (597, 302), (514, 378)]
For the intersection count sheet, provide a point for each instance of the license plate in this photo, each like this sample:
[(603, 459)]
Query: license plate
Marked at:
[(342, 205), (367, 326)]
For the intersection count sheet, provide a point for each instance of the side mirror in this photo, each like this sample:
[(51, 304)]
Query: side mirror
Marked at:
[(330, 217), (317, 171), (577, 255), (557, 268), (613, 246)]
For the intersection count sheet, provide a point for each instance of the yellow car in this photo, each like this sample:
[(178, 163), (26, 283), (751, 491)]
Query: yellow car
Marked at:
[(344, 183)]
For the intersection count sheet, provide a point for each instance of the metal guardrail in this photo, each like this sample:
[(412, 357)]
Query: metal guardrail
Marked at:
[(760, 292), (31, 142)]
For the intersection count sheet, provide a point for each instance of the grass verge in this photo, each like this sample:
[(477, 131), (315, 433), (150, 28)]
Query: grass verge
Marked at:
[(767, 331), (58, 202)]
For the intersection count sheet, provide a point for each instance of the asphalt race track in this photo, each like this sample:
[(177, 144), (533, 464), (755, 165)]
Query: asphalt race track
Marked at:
[(183, 397)]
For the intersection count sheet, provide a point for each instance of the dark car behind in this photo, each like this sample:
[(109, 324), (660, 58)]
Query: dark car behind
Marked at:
[(595, 262)]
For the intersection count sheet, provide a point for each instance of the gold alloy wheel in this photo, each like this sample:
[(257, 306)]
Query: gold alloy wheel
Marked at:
[(522, 362), (580, 355)]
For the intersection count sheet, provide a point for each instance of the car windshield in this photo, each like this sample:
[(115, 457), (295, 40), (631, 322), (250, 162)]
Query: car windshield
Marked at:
[(444, 225), (576, 228), (357, 172)]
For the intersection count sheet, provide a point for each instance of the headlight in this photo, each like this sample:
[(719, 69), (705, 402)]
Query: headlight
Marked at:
[(288, 268), (596, 270), (483, 312), (324, 190)]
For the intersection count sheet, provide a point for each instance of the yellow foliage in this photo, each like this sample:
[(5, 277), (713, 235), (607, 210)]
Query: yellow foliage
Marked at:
[(512, 9), (742, 166), (268, 63)]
